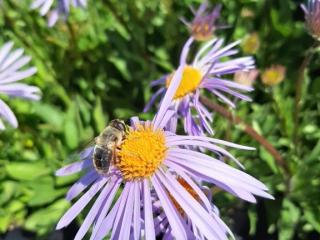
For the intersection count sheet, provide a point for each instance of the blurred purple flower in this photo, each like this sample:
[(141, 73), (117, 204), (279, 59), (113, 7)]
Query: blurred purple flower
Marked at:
[(62, 8), (10, 73), (208, 70), (148, 161), (312, 15), (203, 25)]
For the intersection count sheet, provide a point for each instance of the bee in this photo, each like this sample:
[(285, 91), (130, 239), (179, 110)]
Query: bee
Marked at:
[(106, 144)]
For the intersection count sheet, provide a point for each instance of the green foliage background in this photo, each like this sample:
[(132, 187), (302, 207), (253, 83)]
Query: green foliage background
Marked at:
[(97, 66)]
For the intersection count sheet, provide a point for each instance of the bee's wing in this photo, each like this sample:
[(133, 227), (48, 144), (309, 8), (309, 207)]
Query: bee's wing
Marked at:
[(87, 144), (85, 151)]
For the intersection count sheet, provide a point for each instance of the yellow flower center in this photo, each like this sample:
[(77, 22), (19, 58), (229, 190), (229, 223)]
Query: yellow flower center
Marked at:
[(251, 44), (189, 189), (191, 78), (141, 153), (274, 75)]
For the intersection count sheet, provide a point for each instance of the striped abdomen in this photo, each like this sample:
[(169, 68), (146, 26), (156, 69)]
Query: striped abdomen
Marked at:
[(102, 157)]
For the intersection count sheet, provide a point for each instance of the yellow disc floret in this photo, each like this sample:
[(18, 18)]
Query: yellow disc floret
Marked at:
[(273, 75), (191, 78), (141, 153)]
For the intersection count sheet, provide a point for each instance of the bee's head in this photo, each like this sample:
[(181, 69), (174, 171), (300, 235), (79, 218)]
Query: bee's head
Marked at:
[(118, 124)]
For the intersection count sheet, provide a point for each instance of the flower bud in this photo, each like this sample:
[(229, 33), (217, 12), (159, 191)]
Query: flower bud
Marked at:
[(312, 16)]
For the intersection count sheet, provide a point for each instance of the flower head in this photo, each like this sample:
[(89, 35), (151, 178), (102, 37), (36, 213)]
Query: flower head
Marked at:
[(251, 43), (273, 75), (62, 8), (208, 70), (247, 13), (11, 63), (312, 15), (204, 24), (147, 163)]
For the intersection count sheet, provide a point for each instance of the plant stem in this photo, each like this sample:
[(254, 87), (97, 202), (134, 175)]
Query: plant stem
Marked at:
[(299, 86), (247, 129)]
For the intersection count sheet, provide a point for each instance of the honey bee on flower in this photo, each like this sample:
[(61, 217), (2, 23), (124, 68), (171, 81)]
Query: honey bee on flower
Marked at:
[(147, 162)]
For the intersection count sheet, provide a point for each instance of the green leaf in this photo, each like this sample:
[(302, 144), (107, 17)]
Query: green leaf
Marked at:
[(44, 192), (253, 221), (121, 65), (8, 189), (269, 159), (99, 118), (315, 153), (5, 220), (61, 181), (313, 217), (71, 132), (123, 113), (49, 114), (26, 171), (15, 206), (284, 28), (289, 217), (44, 220)]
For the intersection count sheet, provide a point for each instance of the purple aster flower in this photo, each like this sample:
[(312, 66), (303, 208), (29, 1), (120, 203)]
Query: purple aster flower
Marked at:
[(312, 15), (146, 165), (206, 71), (62, 8), (203, 25), (10, 73)]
